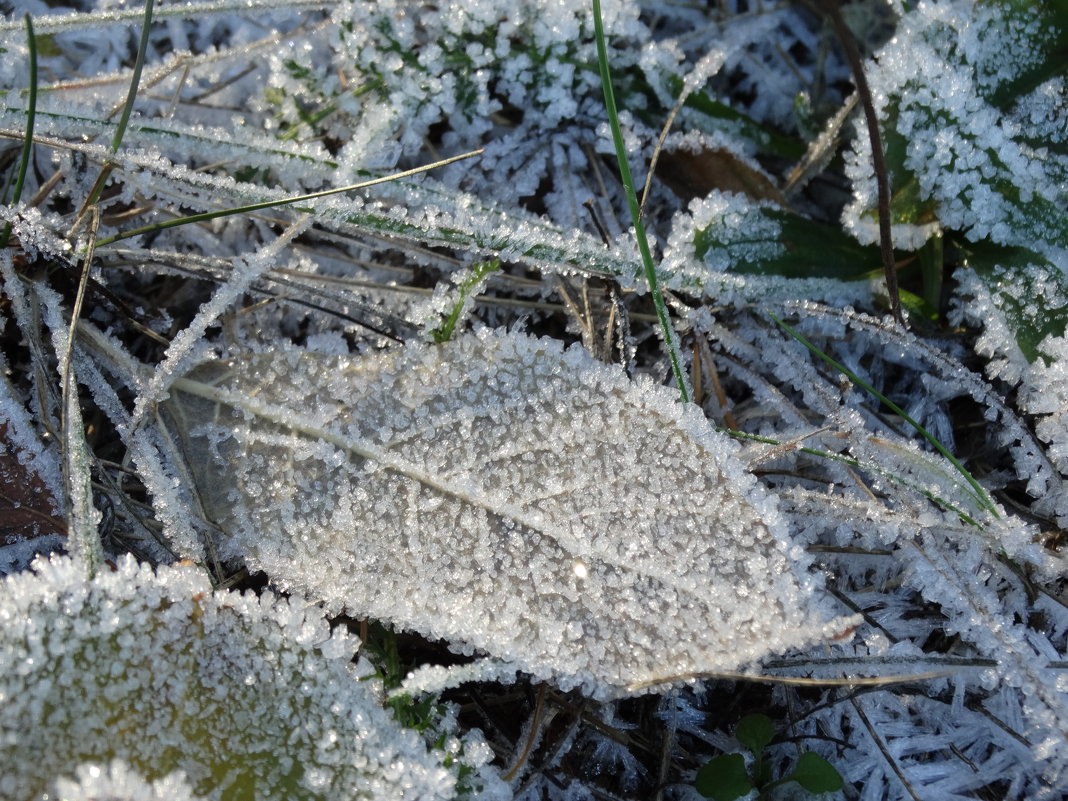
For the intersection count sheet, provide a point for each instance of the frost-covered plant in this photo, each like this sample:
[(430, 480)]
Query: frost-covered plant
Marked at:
[(520, 78), (972, 98), (248, 697)]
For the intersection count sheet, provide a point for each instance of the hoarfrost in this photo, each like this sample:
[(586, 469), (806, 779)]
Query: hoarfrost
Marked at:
[(502, 493), (738, 231), (117, 781)]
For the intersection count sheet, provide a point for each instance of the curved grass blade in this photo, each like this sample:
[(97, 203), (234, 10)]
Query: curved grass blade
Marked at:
[(267, 204)]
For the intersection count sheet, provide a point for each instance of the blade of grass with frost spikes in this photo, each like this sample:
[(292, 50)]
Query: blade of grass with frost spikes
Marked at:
[(83, 536), (31, 115), (513, 236), (981, 496), (481, 227), (593, 531), (670, 340), (872, 468), (84, 517), (267, 204), (171, 135), (60, 23)]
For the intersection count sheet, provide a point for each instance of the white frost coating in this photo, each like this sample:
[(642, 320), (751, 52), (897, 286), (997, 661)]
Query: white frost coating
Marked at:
[(735, 228), (436, 678), (1045, 111), (1023, 298), (20, 435), (117, 781), (1045, 392), (451, 489), (237, 692), (457, 61)]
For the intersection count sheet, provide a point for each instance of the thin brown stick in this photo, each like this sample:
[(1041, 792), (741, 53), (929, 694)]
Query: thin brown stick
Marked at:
[(800, 681), (717, 387), (535, 725), (882, 176), (882, 748)]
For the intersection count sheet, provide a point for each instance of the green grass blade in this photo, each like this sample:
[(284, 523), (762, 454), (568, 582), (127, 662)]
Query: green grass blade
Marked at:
[(135, 80), (27, 141), (981, 495), (31, 112), (127, 109), (869, 468), (670, 340), (469, 285)]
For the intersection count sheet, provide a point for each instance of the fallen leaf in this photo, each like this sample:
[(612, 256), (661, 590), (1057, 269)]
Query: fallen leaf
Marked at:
[(504, 494)]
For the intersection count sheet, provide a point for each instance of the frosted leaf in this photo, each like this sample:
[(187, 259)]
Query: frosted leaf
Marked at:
[(504, 494), (729, 246), (943, 86), (247, 696)]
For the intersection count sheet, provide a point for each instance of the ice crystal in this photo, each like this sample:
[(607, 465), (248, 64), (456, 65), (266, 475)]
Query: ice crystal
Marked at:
[(116, 781), (504, 494), (244, 695)]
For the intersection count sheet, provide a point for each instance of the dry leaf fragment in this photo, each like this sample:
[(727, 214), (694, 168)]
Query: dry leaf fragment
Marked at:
[(504, 494), (27, 507), (693, 175)]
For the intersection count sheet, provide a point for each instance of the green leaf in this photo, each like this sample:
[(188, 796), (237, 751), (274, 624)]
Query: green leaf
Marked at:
[(816, 774), (779, 242), (1030, 292), (1046, 44), (755, 732), (724, 778)]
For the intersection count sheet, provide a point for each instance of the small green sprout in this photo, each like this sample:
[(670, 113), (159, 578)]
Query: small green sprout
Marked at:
[(726, 777)]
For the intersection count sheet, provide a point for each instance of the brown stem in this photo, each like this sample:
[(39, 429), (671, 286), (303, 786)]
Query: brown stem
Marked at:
[(882, 177)]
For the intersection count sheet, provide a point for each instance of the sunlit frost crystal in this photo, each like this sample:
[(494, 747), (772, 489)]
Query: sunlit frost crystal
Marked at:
[(504, 494), (247, 697), (118, 782)]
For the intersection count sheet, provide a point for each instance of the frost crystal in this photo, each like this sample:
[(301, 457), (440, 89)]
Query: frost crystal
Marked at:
[(246, 696), (504, 494), (118, 782)]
